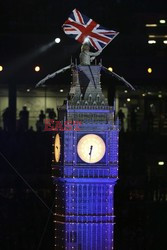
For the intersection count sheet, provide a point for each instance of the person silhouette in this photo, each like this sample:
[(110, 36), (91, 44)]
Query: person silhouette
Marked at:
[(40, 122), (42, 116), (24, 116), (52, 114)]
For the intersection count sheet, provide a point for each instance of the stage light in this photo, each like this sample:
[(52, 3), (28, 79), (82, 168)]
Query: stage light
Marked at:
[(1, 68), (143, 94), (37, 68), (110, 69), (160, 96), (125, 91), (151, 42), (28, 90), (61, 90), (151, 36), (161, 163), (128, 99), (57, 40), (157, 36), (149, 70), (162, 21), (165, 41), (151, 25)]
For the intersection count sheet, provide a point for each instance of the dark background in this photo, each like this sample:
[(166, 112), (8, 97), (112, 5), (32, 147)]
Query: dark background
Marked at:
[(140, 195)]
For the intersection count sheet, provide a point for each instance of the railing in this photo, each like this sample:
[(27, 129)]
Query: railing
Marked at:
[(93, 173)]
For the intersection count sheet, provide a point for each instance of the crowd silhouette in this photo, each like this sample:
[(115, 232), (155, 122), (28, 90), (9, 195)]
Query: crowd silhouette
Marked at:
[(23, 121), (131, 122)]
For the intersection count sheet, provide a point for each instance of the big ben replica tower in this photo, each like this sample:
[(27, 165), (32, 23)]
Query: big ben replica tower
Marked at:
[(85, 166)]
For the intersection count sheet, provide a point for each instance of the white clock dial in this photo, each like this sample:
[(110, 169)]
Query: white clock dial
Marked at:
[(91, 148)]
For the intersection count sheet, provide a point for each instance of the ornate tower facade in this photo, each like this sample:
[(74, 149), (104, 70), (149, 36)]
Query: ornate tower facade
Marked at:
[(85, 166)]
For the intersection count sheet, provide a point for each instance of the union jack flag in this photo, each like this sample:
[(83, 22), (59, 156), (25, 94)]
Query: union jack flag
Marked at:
[(84, 29)]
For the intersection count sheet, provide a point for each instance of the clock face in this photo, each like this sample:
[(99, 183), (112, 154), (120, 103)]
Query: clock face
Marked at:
[(91, 148), (57, 146)]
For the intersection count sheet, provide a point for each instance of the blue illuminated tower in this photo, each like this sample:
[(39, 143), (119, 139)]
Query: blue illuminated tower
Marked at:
[(85, 166)]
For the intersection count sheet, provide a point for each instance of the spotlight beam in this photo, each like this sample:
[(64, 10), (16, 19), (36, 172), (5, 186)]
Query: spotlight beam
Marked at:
[(25, 59)]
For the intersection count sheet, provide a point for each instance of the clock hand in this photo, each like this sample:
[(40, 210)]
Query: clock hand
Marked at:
[(90, 153), (91, 147), (57, 147)]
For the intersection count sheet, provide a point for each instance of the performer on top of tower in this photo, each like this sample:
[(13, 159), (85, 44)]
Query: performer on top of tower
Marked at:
[(86, 57)]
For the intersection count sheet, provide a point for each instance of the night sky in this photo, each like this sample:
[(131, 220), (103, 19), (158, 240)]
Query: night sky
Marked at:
[(27, 26), (26, 30)]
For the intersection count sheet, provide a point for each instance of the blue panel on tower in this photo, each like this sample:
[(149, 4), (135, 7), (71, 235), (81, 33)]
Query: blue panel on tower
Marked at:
[(84, 211)]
